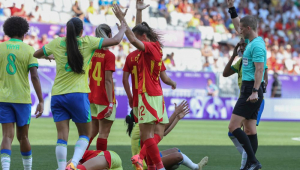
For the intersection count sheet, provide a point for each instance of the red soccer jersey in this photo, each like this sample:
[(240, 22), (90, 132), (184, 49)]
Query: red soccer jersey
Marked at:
[(149, 68), (131, 66), (89, 154), (103, 60)]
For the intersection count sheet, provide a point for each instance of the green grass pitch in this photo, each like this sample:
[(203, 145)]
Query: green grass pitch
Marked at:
[(277, 150)]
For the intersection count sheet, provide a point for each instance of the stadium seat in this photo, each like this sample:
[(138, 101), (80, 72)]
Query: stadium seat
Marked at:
[(58, 5), (97, 19), (54, 17), (153, 22), (162, 23), (174, 18), (45, 16), (50, 1), (64, 17), (110, 20), (67, 5), (46, 7), (40, 1)]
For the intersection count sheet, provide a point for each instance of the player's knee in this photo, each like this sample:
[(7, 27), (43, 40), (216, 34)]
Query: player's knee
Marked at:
[(178, 157), (250, 131), (175, 149), (8, 136), (232, 127), (22, 137)]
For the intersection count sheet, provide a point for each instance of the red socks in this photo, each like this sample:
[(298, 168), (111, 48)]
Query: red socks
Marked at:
[(101, 144), (91, 140), (153, 152), (143, 150), (81, 167)]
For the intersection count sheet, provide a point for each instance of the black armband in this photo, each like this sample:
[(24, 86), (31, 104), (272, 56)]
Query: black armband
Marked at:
[(232, 12)]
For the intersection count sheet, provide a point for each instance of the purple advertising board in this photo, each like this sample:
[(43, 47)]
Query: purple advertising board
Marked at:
[(171, 38), (191, 86)]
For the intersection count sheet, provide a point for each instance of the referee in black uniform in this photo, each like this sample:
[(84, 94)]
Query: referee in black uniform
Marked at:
[(246, 108)]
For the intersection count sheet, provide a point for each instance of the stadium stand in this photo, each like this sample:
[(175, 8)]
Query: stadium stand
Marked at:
[(209, 17)]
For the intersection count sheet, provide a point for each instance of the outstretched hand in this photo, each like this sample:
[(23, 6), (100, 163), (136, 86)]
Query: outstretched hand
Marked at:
[(118, 12), (140, 5), (230, 3), (182, 109)]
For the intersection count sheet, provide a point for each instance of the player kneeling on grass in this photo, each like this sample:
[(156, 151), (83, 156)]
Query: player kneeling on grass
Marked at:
[(100, 160), (171, 158)]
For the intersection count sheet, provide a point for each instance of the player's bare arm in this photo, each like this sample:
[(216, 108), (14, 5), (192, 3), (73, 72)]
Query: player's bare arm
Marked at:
[(227, 70), (127, 87), (37, 87), (167, 80), (140, 6), (236, 20)]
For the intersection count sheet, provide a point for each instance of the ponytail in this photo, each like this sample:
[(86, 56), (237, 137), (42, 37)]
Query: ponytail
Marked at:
[(130, 122), (143, 28), (103, 31), (75, 58)]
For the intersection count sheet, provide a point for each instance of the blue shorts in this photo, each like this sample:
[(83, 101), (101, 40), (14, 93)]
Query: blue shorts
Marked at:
[(75, 106), (15, 112)]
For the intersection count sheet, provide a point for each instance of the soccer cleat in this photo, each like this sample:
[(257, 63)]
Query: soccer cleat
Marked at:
[(137, 162), (71, 167), (254, 166), (203, 162)]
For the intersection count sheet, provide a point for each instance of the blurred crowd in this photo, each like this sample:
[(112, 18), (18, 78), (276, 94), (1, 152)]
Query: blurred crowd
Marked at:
[(279, 25)]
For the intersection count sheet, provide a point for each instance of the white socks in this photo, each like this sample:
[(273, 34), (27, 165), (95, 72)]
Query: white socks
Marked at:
[(244, 159), (27, 160), (61, 154), (5, 159), (80, 148), (236, 143), (188, 162)]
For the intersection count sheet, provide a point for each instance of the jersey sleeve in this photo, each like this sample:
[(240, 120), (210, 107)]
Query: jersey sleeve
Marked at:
[(126, 65), (236, 66), (258, 54), (32, 60), (163, 67), (50, 47), (110, 63), (150, 47), (95, 43)]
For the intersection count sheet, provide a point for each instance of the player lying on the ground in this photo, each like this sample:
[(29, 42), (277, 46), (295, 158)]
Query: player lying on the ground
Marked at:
[(171, 158), (99, 160)]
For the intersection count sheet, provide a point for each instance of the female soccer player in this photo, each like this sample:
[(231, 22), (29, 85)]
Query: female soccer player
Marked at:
[(70, 90), (171, 158), (151, 104), (102, 97), (16, 60), (100, 160)]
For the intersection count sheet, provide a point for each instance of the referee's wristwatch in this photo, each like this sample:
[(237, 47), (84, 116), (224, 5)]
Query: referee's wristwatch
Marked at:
[(254, 90)]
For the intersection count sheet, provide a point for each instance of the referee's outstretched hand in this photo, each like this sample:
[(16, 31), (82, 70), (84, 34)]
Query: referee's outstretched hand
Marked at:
[(39, 110), (230, 3), (253, 97)]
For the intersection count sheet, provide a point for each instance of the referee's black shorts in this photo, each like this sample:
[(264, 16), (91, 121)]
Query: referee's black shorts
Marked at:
[(246, 109)]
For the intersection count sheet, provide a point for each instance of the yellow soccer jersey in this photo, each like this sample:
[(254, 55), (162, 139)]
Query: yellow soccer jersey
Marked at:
[(66, 81), (16, 58)]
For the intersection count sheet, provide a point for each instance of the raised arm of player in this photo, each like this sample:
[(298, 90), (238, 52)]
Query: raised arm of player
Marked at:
[(227, 70), (127, 87), (129, 34), (107, 42), (37, 87), (167, 80), (180, 112), (235, 21), (140, 6)]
